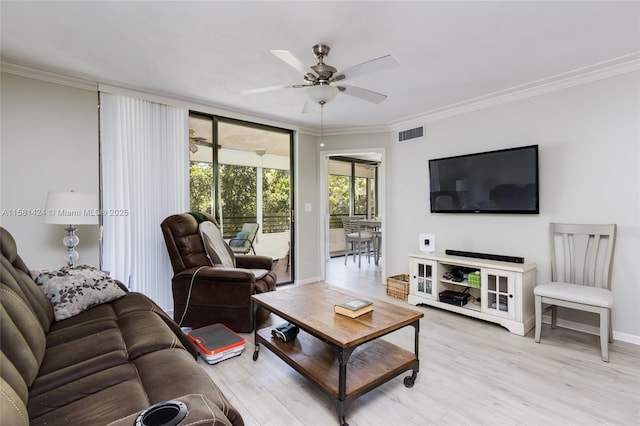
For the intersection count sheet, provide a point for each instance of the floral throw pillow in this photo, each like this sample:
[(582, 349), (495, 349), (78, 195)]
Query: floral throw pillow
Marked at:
[(74, 290)]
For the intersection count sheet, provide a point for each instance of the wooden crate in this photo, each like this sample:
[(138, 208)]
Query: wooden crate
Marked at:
[(398, 286)]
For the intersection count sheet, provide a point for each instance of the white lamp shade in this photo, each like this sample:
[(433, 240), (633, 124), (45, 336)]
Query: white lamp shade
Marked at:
[(322, 93), (71, 208)]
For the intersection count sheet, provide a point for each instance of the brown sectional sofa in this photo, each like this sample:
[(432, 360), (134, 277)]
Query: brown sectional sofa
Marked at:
[(102, 366)]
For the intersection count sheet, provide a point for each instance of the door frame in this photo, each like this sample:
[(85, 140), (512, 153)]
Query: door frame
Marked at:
[(292, 180), (323, 211)]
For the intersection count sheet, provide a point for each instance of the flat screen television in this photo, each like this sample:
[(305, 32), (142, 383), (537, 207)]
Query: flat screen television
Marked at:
[(503, 181)]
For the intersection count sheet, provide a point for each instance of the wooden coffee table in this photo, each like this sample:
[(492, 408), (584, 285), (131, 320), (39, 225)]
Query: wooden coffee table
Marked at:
[(343, 356)]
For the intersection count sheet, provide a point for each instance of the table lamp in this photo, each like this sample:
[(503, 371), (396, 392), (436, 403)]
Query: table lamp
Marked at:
[(71, 208)]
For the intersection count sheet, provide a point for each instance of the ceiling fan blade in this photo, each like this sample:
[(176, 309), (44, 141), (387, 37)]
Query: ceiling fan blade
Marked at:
[(267, 89), (374, 65), (310, 106), (288, 57), (364, 94)]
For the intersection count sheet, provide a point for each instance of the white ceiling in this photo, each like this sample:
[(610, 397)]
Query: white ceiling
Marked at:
[(449, 52)]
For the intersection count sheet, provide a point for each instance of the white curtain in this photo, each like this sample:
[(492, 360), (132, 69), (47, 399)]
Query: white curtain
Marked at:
[(145, 178)]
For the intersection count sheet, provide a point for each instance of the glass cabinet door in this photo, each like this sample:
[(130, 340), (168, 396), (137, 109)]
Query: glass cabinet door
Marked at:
[(498, 296), (422, 278)]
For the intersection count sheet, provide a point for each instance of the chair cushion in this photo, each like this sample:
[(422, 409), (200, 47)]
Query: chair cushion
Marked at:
[(363, 235), (215, 246), (239, 240), (576, 293)]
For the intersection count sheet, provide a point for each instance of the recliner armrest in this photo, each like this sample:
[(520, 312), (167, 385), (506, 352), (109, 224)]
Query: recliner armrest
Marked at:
[(248, 261), (219, 272)]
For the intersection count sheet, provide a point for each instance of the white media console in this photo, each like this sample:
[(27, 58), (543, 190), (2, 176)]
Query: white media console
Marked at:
[(504, 294)]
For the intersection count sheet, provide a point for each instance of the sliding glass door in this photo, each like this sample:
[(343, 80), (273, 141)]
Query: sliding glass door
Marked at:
[(241, 173)]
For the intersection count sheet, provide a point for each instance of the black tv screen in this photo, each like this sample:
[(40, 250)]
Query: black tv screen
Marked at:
[(504, 181)]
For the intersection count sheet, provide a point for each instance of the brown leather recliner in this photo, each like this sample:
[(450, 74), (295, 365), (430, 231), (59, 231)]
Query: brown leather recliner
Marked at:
[(218, 295)]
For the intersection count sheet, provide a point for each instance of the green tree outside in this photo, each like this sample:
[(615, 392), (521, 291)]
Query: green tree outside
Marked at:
[(339, 199), (238, 194), (275, 200), (238, 187), (200, 181)]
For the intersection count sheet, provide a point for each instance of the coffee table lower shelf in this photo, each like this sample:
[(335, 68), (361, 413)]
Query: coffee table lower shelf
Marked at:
[(368, 366)]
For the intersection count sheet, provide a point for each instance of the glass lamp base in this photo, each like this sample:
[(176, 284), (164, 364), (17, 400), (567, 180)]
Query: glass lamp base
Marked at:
[(70, 241)]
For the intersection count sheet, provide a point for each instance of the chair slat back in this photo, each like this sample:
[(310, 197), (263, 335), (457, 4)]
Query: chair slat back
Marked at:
[(582, 254), (351, 224)]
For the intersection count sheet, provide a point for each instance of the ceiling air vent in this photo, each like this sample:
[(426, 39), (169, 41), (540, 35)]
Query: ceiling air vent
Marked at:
[(411, 134)]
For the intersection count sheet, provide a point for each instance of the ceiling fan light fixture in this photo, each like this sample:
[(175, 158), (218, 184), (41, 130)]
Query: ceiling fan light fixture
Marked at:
[(322, 93)]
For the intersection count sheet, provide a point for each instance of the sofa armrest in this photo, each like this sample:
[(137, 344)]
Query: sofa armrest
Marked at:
[(201, 411), (248, 261)]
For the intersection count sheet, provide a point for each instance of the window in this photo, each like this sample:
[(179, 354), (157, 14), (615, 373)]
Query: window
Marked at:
[(240, 172)]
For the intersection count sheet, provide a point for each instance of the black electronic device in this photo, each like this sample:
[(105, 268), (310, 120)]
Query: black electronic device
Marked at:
[(498, 257), (286, 332), (454, 297), (503, 181)]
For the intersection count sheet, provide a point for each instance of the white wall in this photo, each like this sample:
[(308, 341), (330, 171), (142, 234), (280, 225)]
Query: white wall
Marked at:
[(49, 141), (589, 156)]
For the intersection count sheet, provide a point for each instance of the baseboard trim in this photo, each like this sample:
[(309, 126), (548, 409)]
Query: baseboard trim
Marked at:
[(308, 280), (585, 328)]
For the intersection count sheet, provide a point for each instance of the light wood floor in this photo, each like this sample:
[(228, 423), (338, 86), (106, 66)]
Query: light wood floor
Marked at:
[(471, 373)]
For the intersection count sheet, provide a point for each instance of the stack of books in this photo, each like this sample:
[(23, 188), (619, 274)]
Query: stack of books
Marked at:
[(354, 308)]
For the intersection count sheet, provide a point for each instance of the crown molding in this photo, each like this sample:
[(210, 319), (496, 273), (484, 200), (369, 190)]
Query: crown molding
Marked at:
[(600, 71), (142, 93), (193, 104), (48, 76), (351, 130)]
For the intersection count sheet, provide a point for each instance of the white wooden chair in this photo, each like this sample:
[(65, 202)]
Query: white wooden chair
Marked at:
[(581, 259), (355, 237)]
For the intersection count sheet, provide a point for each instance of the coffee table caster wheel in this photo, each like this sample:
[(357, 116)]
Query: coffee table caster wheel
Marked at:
[(344, 422), (409, 381), (256, 353)]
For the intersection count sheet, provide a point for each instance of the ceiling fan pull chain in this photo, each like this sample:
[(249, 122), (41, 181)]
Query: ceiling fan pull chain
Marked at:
[(322, 123)]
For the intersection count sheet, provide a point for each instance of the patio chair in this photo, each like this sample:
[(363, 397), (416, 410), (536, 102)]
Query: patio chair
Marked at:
[(242, 243)]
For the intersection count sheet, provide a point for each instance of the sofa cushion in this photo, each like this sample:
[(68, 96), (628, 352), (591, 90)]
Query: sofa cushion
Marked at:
[(74, 290), (98, 398)]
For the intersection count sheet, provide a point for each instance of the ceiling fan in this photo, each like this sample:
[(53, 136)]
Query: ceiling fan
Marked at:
[(320, 83)]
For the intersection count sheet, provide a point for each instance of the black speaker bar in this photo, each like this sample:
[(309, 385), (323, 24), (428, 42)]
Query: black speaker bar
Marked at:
[(499, 257)]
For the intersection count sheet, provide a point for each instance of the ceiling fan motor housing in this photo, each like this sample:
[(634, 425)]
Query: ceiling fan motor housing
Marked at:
[(324, 71), (320, 51)]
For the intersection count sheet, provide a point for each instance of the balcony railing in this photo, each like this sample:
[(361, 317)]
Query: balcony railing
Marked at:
[(271, 224)]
